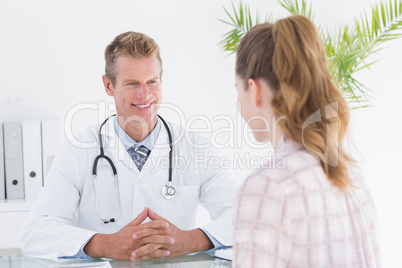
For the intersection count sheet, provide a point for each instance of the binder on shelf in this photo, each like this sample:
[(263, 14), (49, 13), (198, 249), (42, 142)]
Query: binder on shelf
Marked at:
[(32, 152), (50, 144), (2, 175), (13, 160)]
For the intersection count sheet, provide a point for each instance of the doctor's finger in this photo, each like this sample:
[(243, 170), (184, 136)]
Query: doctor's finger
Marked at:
[(163, 240), (149, 251), (140, 218), (162, 225), (159, 253), (148, 232), (153, 216)]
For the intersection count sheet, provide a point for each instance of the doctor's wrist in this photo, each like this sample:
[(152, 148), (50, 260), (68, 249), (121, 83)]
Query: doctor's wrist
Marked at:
[(201, 240), (95, 246)]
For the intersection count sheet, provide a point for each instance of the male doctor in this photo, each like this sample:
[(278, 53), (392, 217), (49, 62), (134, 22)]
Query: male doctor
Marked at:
[(77, 215)]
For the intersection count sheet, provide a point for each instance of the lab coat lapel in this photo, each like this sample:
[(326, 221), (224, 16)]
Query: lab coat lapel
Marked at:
[(116, 147)]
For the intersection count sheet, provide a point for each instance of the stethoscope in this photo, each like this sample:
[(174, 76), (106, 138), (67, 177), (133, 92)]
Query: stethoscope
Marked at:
[(168, 191)]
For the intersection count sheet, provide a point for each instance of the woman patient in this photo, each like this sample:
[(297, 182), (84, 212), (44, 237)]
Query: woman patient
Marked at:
[(313, 210)]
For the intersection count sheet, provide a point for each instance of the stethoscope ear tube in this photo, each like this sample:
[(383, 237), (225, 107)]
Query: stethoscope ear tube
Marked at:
[(171, 148), (106, 158), (100, 156), (118, 198)]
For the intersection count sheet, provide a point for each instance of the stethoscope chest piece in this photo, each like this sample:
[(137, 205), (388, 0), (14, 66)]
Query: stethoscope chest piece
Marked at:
[(168, 191)]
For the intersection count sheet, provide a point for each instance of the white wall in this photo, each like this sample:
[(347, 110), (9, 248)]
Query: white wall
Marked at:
[(51, 59)]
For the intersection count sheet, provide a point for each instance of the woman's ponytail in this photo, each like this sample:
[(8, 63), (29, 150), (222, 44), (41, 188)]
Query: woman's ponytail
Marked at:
[(290, 56)]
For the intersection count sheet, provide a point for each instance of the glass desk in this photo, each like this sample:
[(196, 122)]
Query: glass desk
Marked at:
[(198, 260)]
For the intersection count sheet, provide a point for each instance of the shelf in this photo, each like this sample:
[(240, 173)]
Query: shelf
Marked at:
[(15, 205)]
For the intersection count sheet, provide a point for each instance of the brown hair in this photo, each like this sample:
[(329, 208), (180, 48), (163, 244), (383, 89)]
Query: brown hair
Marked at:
[(289, 55), (130, 44)]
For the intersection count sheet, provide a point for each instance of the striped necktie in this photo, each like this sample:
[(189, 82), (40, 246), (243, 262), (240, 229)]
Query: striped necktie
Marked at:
[(139, 155)]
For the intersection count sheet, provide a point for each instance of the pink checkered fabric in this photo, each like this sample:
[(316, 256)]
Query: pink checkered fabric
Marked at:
[(293, 216)]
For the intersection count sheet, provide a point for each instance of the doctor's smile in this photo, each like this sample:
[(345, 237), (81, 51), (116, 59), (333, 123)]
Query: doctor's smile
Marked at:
[(142, 106)]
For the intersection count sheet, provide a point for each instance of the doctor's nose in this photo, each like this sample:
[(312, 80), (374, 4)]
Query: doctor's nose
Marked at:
[(142, 92)]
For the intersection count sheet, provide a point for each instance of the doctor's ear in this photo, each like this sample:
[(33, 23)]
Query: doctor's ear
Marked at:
[(255, 90), (107, 83)]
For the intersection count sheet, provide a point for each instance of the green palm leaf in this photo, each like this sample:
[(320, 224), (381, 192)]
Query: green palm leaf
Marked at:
[(348, 51), (241, 21), (294, 7)]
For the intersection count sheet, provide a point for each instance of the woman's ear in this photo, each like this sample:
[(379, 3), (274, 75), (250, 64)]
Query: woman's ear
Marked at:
[(108, 85), (255, 88)]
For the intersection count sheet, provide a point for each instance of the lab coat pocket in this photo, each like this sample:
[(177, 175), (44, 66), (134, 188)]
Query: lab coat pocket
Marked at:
[(181, 210)]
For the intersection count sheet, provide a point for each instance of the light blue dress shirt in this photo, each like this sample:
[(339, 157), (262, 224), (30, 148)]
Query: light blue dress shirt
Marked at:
[(128, 142), (148, 142)]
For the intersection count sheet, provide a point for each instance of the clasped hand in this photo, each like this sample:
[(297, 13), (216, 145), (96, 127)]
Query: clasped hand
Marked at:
[(157, 238)]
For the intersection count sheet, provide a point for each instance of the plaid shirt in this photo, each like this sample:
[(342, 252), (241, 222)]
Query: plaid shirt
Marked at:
[(293, 216)]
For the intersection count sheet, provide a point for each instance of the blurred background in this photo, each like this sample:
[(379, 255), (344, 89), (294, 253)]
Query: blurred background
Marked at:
[(51, 63)]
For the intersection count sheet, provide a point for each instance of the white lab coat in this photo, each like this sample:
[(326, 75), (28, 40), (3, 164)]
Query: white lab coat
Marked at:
[(64, 216)]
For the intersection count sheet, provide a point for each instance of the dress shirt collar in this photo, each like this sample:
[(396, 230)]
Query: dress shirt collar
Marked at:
[(128, 142)]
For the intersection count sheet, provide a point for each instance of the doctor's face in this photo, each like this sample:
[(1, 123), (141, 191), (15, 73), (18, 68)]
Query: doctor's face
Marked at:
[(138, 90)]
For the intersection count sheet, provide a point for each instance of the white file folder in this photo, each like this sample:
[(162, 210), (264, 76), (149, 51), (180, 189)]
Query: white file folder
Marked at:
[(32, 151), (2, 175), (50, 144), (13, 161)]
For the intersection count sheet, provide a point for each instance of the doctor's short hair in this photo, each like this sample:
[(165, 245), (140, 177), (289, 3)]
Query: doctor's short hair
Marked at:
[(129, 44)]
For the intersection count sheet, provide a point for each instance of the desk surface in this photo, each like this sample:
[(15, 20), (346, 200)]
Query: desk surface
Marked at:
[(198, 260)]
